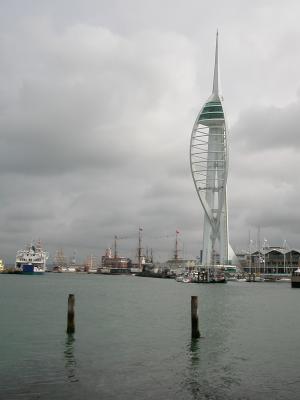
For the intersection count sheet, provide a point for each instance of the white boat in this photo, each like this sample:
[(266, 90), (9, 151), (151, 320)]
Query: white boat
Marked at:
[(187, 279), (71, 268), (285, 279), (31, 260), (1, 266), (184, 278), (255, 278), (231, 278)]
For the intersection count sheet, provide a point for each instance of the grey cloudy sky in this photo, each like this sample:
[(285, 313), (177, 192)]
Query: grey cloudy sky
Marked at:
[(97, 103)]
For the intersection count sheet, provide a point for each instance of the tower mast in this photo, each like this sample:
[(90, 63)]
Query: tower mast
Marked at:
[(209, 167)]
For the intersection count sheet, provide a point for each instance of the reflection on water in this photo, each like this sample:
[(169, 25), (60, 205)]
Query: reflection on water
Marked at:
[(194, 352), (210, 372), (194, 381), (70, 361)]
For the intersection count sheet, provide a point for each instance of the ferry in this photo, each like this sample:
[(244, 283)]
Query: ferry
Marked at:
[(31, 260)]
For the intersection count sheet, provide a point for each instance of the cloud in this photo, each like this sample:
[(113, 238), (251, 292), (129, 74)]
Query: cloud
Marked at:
[(264, 179), (269, 128), (95, 99), (97, 103), (92, 133)]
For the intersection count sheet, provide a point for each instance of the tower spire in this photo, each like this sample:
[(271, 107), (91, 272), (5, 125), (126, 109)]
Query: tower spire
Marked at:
[(209, 145), (216, 83)]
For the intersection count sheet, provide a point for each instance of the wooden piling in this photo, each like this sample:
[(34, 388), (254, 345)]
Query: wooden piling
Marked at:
[(194, 317), (71, 323)]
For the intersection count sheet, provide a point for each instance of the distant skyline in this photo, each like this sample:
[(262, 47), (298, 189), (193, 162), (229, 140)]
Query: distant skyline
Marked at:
[(97, 104)]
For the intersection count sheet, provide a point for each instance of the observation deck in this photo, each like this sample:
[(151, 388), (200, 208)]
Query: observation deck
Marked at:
[(212, 113)]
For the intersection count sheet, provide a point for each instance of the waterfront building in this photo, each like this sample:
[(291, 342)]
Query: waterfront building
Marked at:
[(209, 167), (273, 260)]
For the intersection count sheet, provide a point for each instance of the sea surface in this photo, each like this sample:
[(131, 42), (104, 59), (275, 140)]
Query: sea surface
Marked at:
[(132, 339)]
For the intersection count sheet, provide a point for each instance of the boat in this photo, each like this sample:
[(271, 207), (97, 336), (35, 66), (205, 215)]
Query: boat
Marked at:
[(112, 264), (31, 260), (57, 268), (203, 275), (295, 279), (1, 266), (219, 278), (179, 278), (210, 274), (284, 279), (230, 272), (59, 263), (255, 278), (187, 279)]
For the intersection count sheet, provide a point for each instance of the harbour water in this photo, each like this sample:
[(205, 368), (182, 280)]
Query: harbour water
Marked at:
[(132, 339)]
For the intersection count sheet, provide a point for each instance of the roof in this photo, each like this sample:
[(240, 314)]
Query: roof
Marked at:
[(279, 250)]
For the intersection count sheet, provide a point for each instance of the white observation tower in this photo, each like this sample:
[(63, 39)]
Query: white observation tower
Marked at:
[(209, 167)]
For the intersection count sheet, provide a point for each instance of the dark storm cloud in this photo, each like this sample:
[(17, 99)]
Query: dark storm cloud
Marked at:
[(97, 102)]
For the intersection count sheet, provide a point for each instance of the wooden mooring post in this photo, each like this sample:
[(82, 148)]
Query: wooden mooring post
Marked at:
[(194, 317), (71, 323)]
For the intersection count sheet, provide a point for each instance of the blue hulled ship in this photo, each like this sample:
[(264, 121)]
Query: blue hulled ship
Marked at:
[(31, 260)]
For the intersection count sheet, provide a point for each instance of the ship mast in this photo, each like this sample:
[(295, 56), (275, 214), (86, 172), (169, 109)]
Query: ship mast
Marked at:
[(115, 247), (176, 246), (140, 248)]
